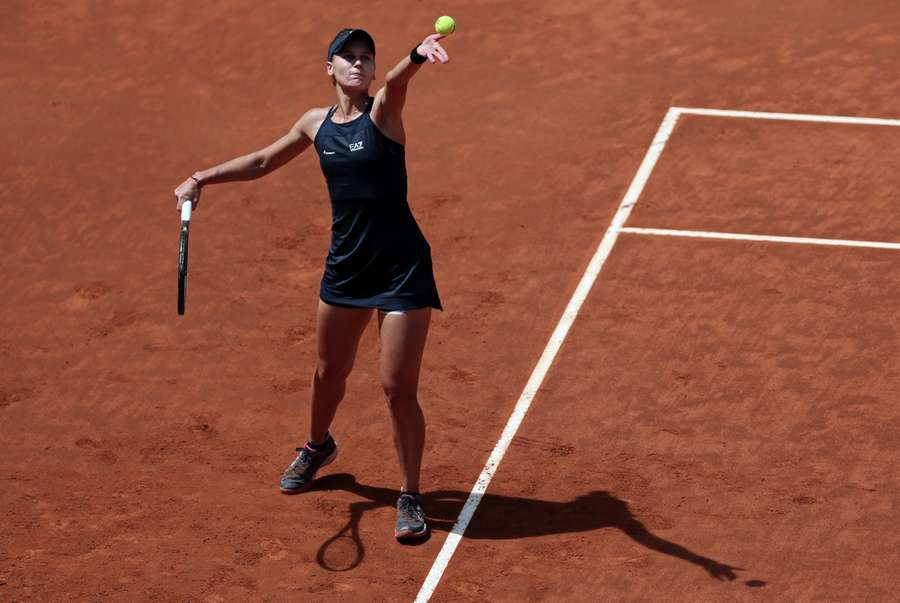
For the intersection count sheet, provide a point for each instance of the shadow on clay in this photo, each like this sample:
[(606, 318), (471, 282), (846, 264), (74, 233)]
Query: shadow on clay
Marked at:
[(503, 517)]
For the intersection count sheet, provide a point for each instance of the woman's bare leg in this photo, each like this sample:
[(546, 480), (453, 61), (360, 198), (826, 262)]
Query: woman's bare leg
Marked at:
[(403, 338), (338, 331)]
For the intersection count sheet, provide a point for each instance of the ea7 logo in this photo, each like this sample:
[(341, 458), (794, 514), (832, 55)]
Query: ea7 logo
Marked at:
[(357, 146)]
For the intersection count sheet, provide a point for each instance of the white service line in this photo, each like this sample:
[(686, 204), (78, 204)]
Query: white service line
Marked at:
[(831, 119), (550, 351), (700, 234)]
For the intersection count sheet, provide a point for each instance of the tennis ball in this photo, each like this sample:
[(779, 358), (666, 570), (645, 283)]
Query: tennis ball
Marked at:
[(445, 25)]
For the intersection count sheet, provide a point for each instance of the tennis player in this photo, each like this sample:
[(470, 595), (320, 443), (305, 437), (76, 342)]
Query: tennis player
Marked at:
[(378, 260)]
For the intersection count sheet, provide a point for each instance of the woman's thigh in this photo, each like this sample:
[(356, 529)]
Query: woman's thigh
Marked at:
[(402, 336), (338, 331)]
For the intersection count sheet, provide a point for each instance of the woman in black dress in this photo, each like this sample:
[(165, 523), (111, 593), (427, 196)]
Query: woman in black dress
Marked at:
[(378, 259)]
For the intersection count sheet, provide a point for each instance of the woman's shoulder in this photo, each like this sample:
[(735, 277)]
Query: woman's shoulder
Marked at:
[(318, 112), (312, 120), (316, 115)]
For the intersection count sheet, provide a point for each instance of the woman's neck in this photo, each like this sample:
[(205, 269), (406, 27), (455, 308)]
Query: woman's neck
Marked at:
[(351, 105)]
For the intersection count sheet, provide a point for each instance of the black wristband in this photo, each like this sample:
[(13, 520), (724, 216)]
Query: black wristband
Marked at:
[(415, 57)]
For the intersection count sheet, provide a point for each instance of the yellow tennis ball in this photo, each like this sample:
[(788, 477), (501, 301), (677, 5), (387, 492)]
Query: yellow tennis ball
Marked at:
[(445, 25)]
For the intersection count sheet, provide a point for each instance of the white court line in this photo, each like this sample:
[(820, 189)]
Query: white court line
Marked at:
[(831, 119), (543, 365), (583, 288), (700, 234)]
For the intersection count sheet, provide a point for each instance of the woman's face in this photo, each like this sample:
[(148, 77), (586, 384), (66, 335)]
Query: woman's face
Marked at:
[(353, 66)]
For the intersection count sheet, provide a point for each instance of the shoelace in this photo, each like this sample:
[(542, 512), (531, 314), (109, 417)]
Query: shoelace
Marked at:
[(302, 459), (409, 506)]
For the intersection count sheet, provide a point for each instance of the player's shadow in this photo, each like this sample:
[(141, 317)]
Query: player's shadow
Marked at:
[(502, 517)]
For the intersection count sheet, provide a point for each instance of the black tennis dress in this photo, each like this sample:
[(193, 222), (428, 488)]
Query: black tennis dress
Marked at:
[(378, 256)]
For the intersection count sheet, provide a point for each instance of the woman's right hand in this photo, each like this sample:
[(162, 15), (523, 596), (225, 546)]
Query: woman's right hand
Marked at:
[(431, 49), (188, 190)]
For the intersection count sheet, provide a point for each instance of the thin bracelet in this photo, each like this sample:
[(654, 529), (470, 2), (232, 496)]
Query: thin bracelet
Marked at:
[(415, 57), (197, 180)]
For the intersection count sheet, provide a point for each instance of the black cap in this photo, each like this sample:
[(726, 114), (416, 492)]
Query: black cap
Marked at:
[(345, 35)]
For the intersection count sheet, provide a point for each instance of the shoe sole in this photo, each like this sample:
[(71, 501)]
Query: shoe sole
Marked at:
[(309, 485), (406, 535)]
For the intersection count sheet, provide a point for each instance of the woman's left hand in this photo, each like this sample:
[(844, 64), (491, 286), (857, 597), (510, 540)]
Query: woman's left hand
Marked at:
[(431, 49)]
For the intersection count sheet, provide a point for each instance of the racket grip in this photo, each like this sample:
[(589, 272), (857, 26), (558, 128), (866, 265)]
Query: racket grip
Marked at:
[(186, 208)]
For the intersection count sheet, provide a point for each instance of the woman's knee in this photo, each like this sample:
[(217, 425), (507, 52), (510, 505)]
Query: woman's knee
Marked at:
[(400, 392), (333, 373)]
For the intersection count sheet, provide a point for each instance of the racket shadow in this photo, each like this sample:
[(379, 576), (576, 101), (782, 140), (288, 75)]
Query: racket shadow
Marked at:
[(511, 517)]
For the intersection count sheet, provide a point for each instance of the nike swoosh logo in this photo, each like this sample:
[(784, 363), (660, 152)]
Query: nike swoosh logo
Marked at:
[(328, 152)]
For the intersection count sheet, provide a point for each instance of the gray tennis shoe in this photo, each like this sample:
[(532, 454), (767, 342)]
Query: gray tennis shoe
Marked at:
[(411, 523), (299, 476)]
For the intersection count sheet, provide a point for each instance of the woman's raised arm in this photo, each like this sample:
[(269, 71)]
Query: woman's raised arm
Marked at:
[(391, 98)]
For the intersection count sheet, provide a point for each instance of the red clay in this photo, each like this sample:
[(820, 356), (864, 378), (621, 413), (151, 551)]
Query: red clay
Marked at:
[(718, 406)]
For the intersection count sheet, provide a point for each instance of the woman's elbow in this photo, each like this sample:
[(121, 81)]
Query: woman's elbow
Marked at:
[(260, 165)]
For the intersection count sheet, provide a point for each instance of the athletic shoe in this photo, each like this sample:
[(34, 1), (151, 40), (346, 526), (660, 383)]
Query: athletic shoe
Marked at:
[(410, 518), (299, 476)]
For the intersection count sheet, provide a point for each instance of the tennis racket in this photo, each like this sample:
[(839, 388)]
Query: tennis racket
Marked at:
[(183, 255)]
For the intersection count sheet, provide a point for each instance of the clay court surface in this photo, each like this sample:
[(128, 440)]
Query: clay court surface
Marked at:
[(720, 424)]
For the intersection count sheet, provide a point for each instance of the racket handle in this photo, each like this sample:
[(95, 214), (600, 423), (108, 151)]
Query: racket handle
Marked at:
[(186, 211)]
